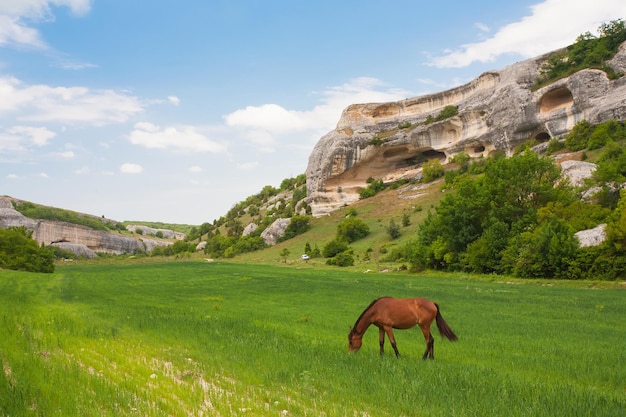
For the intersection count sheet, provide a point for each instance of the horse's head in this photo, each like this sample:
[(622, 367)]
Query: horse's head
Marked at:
[(354, 340)]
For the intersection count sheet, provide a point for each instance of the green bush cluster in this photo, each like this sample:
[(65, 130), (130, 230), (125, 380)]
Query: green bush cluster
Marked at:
[(20, 252), (588, 51), (224, 236), (445, 113), (337, 250), (374, 186), (518, 218)]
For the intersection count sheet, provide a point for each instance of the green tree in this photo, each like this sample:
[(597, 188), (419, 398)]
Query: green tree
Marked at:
[(342, 259), (284, 253), (393, 230), (406, 219), (334, 247), (431, 170), (616, 230), (351, 229), (546, 252), (20, 252), (472, 222), (297, 226)]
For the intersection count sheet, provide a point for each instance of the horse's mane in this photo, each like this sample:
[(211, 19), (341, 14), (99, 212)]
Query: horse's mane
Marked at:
[(367, 308)]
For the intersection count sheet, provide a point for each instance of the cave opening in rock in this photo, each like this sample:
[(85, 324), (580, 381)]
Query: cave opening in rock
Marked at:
[(556, 99), (433, 154), (542, 137)]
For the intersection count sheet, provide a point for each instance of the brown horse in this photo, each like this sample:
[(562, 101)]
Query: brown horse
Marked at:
[(389, 313)]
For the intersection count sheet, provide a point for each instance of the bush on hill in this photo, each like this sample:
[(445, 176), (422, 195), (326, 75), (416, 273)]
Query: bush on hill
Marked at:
[(20, 252), (588, 51)]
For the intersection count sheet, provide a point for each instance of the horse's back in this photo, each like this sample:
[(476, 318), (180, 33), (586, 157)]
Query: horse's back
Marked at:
[(403, 313)]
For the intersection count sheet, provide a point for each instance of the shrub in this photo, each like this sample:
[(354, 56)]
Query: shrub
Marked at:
[(351, 229), (393, 230), (431, 170), (297, 226), (341, 259), (373, 188), (334, 247), (20, 252)]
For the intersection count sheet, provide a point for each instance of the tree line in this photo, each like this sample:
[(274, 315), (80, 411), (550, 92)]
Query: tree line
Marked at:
[(518, 216)]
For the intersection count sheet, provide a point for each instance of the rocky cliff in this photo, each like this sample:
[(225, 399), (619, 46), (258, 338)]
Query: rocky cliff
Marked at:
[(81, 240), (496, 112)]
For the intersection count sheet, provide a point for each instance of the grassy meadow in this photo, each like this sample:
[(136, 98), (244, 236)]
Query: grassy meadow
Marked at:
[(232, 339)]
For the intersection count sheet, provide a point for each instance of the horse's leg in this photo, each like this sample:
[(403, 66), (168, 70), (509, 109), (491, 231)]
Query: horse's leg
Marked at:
[(392, 340), (381, 340), (430, 343)]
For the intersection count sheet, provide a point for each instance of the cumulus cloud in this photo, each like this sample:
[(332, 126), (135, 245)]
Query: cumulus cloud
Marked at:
[(174, 100), (535, 34), (66, 154), (129, 168), (263, 125), (72, 105), (15, 16), (181, 138), (247, 166), (21, 138)]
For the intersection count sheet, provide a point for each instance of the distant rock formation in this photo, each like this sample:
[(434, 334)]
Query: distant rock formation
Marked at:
[(496, 112), (145, 230), (81, 240)]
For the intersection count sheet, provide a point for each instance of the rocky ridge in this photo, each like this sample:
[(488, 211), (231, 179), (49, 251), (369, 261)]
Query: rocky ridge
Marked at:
[(496, 112), (81, 240)]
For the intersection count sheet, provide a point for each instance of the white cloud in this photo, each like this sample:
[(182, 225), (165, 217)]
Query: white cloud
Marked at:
[(66, 154), (264, 125), (247, 166), (195, 169), (38, 135), (182, 138), (12, 177), (15, 15), (74, 105), (174, 100), (13, 31), (43, 175), (22, 138), (482, 27), (551, 24), (269, 117), (128, 168)]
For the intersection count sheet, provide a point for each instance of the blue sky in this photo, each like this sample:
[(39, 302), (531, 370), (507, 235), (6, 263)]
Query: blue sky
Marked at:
[(174, 111)]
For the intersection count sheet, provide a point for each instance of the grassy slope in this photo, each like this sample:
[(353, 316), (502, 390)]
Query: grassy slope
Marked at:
[(376, 211)]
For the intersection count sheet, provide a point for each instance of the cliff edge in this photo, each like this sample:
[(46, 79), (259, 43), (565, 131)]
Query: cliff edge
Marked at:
[(496, 112)]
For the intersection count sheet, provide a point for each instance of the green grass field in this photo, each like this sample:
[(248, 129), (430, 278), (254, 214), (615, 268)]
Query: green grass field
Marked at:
[(231, 339)]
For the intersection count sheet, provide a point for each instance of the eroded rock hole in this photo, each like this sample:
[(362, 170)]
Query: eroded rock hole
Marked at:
[(556, 99)]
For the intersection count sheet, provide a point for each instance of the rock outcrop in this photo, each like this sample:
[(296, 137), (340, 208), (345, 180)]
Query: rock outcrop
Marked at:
[(81, 240), (165, 233), (592, 237), (496, 112), (275, 231)]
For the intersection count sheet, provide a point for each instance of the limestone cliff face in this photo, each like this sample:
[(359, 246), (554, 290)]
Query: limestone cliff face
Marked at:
[(79, 239), (496, 112)]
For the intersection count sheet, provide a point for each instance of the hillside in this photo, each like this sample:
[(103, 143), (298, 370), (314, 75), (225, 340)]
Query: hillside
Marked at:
[(393, 169), (538, 99)]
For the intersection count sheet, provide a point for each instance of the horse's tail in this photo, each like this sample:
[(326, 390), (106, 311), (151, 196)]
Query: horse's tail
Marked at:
[(443, 327)]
